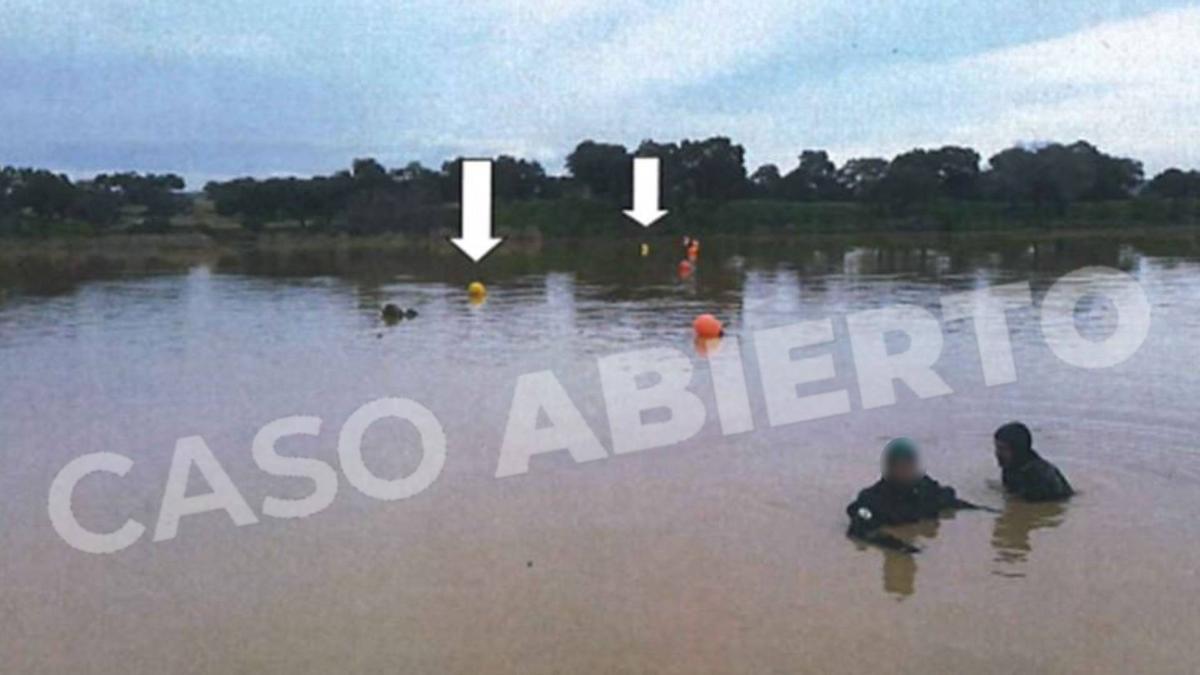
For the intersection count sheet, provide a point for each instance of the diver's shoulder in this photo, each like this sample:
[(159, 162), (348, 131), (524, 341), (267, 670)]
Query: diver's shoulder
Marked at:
[(870, 492), (928, 482), (1043, 466), (1044, 480), (866, 500)]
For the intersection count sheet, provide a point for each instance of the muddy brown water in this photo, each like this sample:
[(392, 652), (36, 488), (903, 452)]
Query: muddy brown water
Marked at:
[(718, 554)]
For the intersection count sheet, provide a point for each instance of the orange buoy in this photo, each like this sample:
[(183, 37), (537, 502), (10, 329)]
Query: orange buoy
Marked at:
[(685, 269), (708, 327)]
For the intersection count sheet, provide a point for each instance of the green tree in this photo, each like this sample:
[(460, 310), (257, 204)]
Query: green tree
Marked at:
[(714, 168), (912, 180), (765, 181), (1175, 184), (919, 176), (44, 193), (368, 172), (158, 194), (1052, 176), (603, 169), (860, 177), (517, 179), (813, 179), (957, 169)]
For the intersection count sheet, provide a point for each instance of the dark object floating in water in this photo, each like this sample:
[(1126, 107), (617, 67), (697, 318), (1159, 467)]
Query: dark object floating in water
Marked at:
[(392, 313)]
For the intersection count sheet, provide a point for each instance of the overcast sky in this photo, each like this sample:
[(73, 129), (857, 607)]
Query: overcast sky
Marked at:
[(221, 88)]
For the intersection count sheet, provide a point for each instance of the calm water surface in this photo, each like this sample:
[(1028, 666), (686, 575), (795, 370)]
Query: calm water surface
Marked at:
[(715, 555)]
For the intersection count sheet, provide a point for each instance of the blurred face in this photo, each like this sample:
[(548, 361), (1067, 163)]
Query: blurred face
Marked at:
[(1004, 453), (905, 471)]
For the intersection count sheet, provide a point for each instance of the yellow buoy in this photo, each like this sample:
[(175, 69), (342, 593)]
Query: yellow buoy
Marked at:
[(645, 250), (476, 290)]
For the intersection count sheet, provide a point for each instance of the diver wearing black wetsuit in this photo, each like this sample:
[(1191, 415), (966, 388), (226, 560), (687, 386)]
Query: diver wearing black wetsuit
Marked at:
[(1023, 471), (903, 495)]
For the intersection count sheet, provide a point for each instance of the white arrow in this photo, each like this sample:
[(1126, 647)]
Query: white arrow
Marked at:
[(476, 240), (645, 191)]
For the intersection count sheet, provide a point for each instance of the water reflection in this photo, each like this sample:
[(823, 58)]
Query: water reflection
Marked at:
[(900, 569), (707, 347), (51, 269), (899, 574), (1012, 529)]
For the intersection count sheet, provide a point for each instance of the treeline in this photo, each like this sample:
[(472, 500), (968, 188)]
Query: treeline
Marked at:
[(1044, 179), (1039, 180), (32, 200), (370, 197)]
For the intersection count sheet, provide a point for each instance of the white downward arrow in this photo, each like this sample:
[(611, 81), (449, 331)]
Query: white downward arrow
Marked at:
[(476, 240), (645, 191)]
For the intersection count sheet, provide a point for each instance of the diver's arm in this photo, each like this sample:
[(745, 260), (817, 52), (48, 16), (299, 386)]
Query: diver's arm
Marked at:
[(864, 526), (948, 498), (971, 506), (884, 540)]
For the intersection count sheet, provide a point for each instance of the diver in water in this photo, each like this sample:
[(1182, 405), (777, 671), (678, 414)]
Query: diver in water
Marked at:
[(903, 495), (1024, 472)]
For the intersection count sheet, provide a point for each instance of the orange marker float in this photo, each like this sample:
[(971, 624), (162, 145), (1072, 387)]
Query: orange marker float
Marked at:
[(707, 327), (685, 269)]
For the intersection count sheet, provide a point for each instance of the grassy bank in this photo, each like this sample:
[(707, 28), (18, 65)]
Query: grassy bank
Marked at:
[(583, 217), (527, 223), (759, 217), (53, 265)]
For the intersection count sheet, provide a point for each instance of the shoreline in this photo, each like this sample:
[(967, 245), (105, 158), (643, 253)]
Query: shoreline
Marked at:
[(529, 241), (57, 264)]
